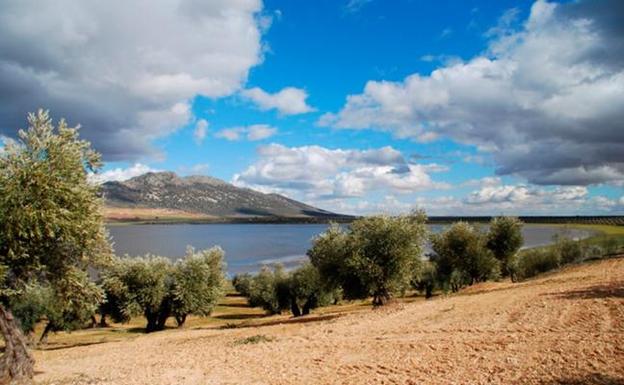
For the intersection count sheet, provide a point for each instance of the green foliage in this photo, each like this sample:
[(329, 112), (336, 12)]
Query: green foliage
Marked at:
[(31, 306), (276, 290), (504, 239), (569, 249), (51, 226), (242, 283), (50, 214), (375, 257), (307, 291), (157, 289), (198, 283), (461, 256), (426, 278), (269, 289), (258, 338), (533, 262)]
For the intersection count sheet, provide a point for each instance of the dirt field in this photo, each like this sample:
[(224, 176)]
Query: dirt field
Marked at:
[(563, 328)]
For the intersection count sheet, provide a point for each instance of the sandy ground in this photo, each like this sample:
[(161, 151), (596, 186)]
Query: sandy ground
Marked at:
[(563, 328)]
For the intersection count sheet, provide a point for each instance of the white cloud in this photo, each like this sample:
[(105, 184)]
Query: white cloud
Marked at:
[(260, 131), (121, 174), (288, 101), (253, 132), (546, 101), (126, 71), (319, 172), (201, 129)]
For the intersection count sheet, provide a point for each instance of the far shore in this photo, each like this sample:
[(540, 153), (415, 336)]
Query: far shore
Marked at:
[(150, 216)]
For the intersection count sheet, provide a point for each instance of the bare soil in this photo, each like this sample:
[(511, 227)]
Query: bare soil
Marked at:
[(562, 328)]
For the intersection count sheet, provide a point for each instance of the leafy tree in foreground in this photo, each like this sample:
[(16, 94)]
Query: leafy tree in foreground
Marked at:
[(461, 256), (51, 227), (504, 239), (376, 257)]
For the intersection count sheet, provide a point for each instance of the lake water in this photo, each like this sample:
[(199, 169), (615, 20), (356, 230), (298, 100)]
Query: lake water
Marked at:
[(249, 246)]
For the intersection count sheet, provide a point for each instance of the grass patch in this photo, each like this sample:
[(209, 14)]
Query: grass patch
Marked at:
[(258, 338)]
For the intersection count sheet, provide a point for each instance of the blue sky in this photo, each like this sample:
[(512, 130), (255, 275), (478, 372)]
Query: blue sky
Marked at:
[(356, 106)]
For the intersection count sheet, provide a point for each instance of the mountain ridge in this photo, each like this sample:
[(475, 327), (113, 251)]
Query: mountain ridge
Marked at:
[(204, 195)]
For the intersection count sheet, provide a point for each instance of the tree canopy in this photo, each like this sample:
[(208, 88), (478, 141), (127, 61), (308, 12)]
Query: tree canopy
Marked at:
[(51, 226), (376, 256)]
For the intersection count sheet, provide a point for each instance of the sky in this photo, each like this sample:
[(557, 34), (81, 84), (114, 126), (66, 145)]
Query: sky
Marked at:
[(355, 106)]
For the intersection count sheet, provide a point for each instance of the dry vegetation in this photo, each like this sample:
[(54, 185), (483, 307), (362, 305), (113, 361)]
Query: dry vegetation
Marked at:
[(126, 214), (565, 327)]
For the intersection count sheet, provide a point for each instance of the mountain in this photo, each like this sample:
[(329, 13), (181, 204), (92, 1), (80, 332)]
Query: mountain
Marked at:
[(202, 195)]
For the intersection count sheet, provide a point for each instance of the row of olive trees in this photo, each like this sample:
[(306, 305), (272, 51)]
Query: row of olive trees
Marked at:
[(374, 257), (381, 257), (158, 289), (464, 255)]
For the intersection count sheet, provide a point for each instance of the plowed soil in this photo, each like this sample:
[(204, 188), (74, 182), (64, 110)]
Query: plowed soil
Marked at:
[(562, 328)]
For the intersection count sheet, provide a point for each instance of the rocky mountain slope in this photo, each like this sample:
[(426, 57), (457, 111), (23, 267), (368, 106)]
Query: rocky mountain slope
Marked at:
[(203, 195)]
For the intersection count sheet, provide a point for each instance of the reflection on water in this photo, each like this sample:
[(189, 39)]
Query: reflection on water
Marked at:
[(249, 246)]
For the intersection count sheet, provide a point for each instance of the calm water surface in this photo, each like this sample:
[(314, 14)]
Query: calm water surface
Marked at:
[(249, 246)]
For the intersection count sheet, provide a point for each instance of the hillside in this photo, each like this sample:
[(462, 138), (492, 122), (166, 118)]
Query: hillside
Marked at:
[(165, 194), (561, 328)]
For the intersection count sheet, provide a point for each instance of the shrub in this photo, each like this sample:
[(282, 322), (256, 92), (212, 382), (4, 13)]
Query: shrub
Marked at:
[(569, 250), (375, 257), (425, 278), (461, 256), (242, 283), (269, 289), (504, 239), (533, 262)]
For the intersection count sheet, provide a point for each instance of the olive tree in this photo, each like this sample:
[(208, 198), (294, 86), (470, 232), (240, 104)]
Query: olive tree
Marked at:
[(51, 226), (376, 257), (156, 288), (198, 283), (504, 239), (242, 283), (269, 289), (461, 256)]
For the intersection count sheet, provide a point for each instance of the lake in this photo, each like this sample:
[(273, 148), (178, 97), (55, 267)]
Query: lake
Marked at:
[(249, 246)]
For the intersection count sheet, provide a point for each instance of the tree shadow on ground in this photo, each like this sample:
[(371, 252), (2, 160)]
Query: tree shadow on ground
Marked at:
[(238, 316), (613, 290), (590, 379)]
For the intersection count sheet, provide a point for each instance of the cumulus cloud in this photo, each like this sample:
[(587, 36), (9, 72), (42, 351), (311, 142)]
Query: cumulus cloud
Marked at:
[(125, 70), (319, 172), (546, 101), (288, 101), (200, 131), (121, 174), (253, 132)]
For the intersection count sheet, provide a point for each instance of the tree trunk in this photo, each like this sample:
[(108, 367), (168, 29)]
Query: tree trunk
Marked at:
[(152, 321), (46, 331), (306, 308), (16, 364), (294, 308), (381, 297), (180, 319), (103, 323), (428, 291)]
